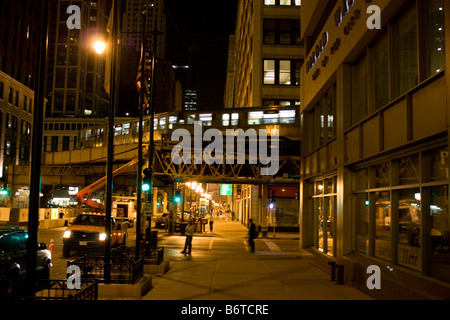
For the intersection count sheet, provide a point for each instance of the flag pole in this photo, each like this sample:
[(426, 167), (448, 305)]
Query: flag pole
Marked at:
[(140, 160), (110, 154)]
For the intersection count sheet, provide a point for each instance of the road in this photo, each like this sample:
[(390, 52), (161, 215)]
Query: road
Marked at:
[(204, 245)]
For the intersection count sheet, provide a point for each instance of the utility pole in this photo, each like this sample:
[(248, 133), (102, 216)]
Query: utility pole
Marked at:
[(36, 151), (155, 34), (110, 154), (141, 129)]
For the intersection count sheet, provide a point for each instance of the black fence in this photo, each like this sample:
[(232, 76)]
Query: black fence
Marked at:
[(124, 269), (153, 256), (13, 290)]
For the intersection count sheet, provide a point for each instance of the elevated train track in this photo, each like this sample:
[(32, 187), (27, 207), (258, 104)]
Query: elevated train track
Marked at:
[(87, 162)]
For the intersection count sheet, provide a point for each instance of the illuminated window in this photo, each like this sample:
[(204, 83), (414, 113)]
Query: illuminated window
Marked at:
[(255, 117), (269, 71)]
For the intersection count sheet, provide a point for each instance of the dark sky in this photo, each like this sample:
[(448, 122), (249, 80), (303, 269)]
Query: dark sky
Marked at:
[(208, 24)]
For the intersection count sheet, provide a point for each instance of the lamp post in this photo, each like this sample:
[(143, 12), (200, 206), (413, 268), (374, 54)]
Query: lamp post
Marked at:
[(110, 154), (36, 151)]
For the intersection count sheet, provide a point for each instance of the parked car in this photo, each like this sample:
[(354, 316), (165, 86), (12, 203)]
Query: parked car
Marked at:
[(160, 222), (13, 257)]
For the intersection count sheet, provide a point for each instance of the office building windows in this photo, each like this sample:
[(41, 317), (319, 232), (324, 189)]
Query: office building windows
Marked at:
[(283, 3), (281, 32), (282, 72), (434, 37), (405, 64)]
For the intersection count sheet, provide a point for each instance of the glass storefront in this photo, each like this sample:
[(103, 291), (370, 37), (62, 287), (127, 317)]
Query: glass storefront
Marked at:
[(325, 215), (404, 203)]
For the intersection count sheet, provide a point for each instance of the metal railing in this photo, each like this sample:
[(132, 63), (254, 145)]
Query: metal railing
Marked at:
[(124, 269), (50, 290), (153, 256)]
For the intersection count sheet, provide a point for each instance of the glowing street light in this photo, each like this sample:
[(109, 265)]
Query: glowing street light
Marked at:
[(99, 46)]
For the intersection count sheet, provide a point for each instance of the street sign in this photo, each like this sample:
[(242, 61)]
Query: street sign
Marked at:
[(147, 208), (226, 189)]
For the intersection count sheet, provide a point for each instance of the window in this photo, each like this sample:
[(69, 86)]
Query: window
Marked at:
[(11, 95), (381, 72), (24, 152), (405, 54), (255, 117), (66, 143), (282, 3), (359, 90), (9, 147), (281, 72), (281, 32), (404, 203), (26, 128), (11, 121), (2, 87), (269, 72), (434, 37), (324, 215), (405, 64), (54, 144), (206, 119)]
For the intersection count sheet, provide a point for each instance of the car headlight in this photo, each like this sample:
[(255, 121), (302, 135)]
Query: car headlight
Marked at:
[(67, 234), (102, 236)]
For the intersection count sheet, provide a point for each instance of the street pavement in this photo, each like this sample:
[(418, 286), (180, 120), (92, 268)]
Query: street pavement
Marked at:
[(221, 267)]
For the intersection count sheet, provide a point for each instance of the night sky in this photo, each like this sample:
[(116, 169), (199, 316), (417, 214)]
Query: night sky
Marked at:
[(209, 24)]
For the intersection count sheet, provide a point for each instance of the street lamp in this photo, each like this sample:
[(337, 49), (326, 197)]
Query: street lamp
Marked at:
[(99, 46)]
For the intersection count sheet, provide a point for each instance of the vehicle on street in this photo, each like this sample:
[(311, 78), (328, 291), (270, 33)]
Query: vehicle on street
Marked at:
[(160, 222), (87, 233), (13, 257)]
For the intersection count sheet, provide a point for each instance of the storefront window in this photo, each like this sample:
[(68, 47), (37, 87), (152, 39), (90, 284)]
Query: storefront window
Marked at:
[(383, 175), (383, 225), (409, 170), (362, 222), (324, 215), (439, 233), (409, 238)]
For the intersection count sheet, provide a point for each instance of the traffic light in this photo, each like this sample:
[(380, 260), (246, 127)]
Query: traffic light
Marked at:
[(147, 180), (4, 192), (177, 197)]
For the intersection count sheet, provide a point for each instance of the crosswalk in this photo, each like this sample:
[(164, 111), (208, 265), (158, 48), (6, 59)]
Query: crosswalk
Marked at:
[(273, 247)]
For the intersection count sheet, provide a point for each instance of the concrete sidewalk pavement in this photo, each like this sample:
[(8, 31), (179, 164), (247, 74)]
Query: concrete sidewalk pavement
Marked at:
[(241, 275)]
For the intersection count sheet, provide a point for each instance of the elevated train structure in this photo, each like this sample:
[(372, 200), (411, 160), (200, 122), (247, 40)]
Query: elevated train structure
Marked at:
[(86, 163)]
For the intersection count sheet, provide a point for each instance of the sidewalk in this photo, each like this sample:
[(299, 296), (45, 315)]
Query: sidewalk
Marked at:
[(240, 275)]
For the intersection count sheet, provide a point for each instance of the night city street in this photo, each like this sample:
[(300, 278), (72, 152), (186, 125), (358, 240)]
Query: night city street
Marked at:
[(227, 159)]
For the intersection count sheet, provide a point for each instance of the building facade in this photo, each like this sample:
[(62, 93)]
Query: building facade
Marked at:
[(267, 56), (268, 53), (75, 71), (374, 104)]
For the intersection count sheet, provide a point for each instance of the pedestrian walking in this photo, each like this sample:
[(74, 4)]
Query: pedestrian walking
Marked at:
[(211, 222), (189, 232), (252, 235)]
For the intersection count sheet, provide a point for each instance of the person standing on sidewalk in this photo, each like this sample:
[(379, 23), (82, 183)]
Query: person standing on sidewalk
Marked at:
[(189, 232), (211, 222), (252, 235)]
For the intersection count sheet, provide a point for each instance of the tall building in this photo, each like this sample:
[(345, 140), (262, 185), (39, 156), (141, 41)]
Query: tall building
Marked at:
[(228, 97), (131, 44), (75, 71), (375, 169), (18, 46), (268, 53)]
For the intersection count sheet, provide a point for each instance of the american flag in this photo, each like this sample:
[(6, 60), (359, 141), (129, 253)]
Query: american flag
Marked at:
[(147, 74)]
